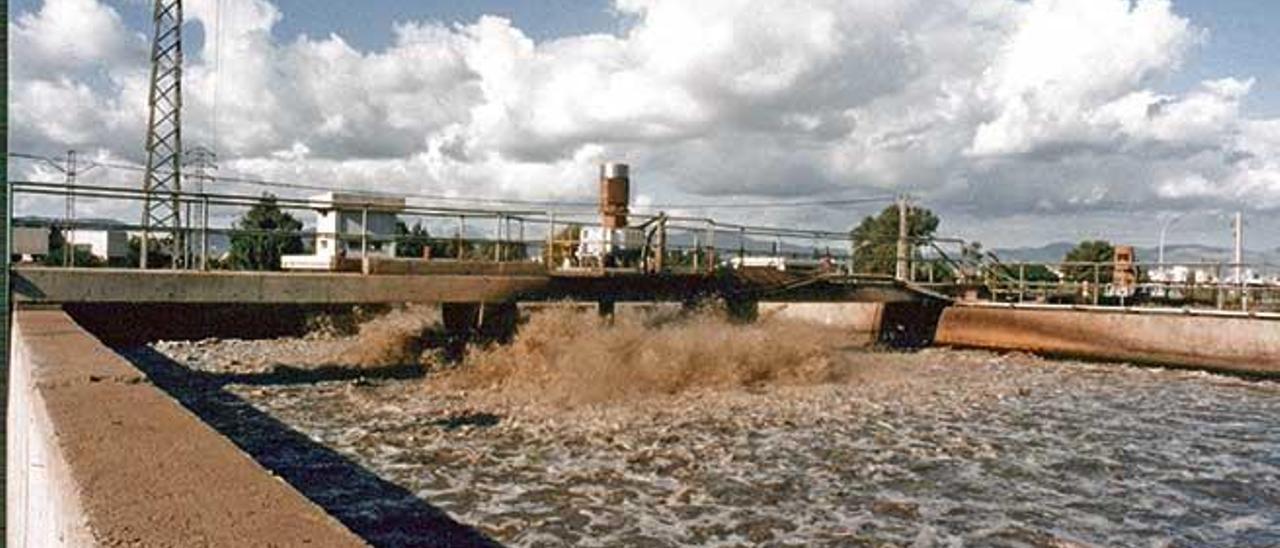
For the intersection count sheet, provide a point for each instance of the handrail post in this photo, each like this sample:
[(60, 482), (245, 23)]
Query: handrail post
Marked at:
[(1022, 282), (1219, 301), (1097, 283), (204, 232), (497, 248), (550, 252), (462, 227), (697, 250), (853, 247), (711, 246), (364, 239), (742, 245)]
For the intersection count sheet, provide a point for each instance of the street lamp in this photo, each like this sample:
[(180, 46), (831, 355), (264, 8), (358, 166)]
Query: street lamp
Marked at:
[(1164, 230)]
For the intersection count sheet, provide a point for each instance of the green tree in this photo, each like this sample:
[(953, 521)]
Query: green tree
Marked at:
[(875, 239), (410, 242), (1089, 251), (263, 235), (158, 252), (58, 250), (1039, 273)]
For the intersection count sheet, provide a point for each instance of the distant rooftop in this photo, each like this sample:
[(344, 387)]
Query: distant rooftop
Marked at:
[(354, 200)]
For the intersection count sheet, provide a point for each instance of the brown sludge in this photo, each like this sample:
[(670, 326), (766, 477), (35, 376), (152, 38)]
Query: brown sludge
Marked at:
[(696, 431), (567, 357)]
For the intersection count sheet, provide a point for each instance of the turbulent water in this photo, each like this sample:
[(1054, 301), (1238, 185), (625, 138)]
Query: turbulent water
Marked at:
[(934, 448)]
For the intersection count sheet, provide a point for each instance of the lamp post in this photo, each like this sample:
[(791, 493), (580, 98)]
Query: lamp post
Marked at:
[(1164, 229)]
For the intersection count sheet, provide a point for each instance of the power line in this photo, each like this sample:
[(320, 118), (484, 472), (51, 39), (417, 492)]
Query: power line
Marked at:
[(770, 205), (514, 201)]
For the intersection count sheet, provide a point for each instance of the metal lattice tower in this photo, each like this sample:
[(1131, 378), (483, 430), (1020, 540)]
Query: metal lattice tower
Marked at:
[(163, 179), (201, 163), (69, 219)]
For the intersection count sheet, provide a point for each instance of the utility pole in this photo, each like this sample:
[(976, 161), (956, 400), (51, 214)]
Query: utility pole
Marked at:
[(69, 233), (201, 162), (1239, 237), (904, 249), (1239, 260), (162, 183)]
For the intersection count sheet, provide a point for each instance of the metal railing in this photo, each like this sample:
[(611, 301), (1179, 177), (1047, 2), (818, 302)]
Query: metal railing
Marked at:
[(689, 244), (1215, 285)]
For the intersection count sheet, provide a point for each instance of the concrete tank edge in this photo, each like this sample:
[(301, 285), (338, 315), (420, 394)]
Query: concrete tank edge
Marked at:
[(59, 494)]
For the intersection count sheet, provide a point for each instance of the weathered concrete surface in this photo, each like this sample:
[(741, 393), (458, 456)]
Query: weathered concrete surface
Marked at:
[(100, 456), (435, 267), (859, 318), (643, 310), (1234, 344), (103, 285), (895, 324), (465, 283)]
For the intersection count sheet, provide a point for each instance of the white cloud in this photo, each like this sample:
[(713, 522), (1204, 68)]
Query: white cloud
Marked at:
[(71, 34), (1067, 61), (989, 107)]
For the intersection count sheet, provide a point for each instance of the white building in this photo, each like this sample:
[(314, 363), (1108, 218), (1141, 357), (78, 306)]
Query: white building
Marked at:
[(103, 244), (30, 241), (347, 225)]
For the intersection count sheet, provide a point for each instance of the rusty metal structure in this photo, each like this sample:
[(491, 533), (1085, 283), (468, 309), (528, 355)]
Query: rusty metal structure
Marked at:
[(1124, 276), (615, 194)]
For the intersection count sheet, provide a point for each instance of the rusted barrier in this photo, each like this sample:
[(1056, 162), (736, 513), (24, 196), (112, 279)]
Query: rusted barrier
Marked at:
[(1238, 344)]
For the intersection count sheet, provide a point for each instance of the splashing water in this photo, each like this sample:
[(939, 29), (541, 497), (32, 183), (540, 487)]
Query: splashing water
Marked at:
[(569, 357), (395, 338)]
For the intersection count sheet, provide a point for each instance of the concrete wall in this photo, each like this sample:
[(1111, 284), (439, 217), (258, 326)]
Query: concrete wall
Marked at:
[(33, 284), (859, 318), (100, 456), (894, 324), (1234, 344)]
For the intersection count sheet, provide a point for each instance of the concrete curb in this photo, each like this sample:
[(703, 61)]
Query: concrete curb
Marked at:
[(98, 456)]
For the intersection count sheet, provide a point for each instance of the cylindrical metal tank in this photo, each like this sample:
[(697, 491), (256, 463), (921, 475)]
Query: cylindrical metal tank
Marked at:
[(615, 194)]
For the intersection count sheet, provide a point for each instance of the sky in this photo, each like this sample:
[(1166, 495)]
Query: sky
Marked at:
[(1019, 122)]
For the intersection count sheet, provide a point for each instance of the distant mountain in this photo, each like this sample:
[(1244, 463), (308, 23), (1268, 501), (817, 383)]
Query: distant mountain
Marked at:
[(1173, 253), (1045, 253)]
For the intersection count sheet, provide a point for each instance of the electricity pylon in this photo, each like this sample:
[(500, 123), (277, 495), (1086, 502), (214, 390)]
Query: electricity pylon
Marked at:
[(162, 183)]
